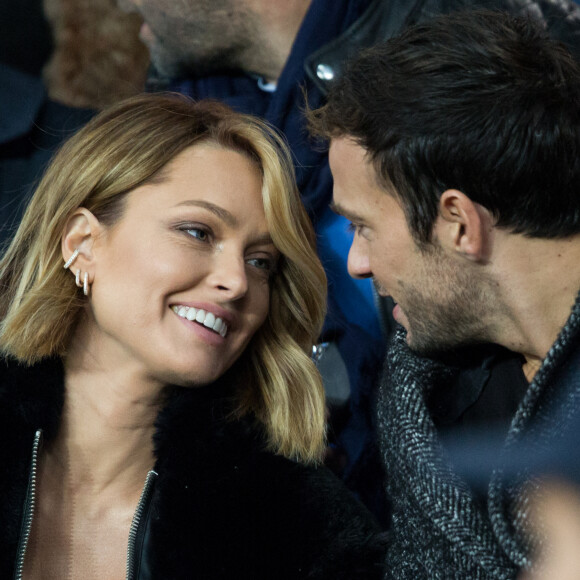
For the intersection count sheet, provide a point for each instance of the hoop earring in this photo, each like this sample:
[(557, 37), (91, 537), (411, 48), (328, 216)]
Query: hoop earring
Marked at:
[(71, 260), (78, 278), (86, 284)]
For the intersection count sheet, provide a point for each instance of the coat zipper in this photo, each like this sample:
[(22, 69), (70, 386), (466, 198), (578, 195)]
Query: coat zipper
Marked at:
[(29, 506), (143, 501), (31, 502)]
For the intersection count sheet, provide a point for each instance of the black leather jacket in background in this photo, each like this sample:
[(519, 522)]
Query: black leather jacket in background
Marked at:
[(386, 18)]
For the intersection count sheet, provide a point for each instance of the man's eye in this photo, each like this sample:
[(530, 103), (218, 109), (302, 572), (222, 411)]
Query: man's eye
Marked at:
[(360, 231), (354, 229)]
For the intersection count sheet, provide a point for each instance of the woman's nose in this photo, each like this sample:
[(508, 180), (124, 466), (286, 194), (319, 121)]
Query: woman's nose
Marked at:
[(229, 275)]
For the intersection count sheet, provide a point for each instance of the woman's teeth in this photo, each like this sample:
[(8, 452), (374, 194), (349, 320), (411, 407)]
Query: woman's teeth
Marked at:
[(208, 319)]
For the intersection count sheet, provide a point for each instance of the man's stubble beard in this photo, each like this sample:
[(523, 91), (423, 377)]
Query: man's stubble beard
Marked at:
[(451, 310)]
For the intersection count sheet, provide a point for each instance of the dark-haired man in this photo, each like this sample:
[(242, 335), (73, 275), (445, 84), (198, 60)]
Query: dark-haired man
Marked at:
[(455, 150)]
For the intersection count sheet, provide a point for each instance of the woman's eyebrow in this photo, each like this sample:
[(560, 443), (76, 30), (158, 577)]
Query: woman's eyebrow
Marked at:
[(220, 212), (229, 218), (263, 239)]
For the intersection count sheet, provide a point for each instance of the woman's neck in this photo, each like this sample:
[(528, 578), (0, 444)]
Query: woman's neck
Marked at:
[(110, 408), (106, 431), (92, 473)]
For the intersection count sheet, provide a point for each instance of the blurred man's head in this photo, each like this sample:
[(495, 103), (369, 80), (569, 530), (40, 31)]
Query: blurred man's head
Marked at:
[(199, 37), (462, 130)]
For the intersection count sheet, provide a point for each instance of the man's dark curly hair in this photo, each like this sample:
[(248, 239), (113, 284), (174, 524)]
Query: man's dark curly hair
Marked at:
[(477, 101)]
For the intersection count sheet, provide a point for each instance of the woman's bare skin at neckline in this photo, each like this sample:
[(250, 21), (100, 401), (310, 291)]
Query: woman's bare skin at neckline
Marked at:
[(77, 533), (90, 479)]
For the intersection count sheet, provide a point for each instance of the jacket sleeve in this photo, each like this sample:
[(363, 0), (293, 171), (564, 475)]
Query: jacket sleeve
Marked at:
[(338, 536)]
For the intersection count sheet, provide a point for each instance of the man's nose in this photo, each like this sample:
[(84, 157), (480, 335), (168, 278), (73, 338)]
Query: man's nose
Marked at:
[(358, 259)]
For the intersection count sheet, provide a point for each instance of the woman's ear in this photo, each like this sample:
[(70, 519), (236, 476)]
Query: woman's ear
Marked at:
[(464, 226), (80, 232)]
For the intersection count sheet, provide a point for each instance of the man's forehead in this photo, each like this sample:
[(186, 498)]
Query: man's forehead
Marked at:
[(354, 172), (349, 159)]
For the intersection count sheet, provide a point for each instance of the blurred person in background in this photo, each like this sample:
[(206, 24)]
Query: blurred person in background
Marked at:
[(60, 62)]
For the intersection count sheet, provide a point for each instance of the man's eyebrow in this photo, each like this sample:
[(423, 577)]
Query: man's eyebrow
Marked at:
[(220, 212), (337, 208)]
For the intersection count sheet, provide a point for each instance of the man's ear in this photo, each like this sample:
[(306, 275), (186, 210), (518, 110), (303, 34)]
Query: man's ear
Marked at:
[(464, 226), (81, 230)]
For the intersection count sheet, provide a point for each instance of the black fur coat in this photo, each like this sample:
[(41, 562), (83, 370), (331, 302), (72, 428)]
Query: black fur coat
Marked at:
[(221, 506)]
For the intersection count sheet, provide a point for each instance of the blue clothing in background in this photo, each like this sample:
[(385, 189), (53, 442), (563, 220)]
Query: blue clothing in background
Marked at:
[(31, 128)]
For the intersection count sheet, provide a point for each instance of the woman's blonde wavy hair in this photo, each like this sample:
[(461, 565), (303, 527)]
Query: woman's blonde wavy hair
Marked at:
[(123, 148)]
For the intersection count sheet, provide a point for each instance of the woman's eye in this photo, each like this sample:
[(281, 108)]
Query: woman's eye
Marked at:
[(266, 264), (197, 233)]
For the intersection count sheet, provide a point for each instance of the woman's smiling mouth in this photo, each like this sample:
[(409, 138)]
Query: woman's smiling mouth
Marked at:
[(207, 319)]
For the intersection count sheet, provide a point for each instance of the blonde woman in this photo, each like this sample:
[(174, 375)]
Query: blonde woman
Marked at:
[(160, 415)]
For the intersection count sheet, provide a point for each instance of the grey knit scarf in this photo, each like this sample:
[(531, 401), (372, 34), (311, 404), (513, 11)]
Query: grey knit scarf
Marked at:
[(440, 530)]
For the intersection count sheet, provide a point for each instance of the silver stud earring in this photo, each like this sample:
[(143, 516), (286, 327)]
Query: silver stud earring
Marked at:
[(71, 260)]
